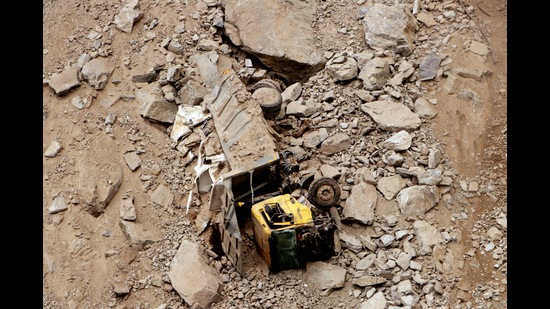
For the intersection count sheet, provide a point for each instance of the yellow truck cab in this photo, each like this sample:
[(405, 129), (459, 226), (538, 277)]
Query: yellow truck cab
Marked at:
[(278, 224)]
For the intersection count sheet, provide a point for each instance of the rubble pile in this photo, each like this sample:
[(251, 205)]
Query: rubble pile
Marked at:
[(359, 113)]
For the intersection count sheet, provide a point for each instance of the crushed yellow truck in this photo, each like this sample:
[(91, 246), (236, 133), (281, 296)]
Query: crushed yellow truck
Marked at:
[(290, 217)]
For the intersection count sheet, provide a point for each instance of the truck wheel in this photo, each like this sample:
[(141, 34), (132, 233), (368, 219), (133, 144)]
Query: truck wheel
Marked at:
[(324, 193), (267, 83), (270, 101)]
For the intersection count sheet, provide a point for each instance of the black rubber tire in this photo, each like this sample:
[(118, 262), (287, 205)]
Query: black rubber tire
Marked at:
[(269, 83), (285, 81), (270, 100), (271, 115), (324, 193)]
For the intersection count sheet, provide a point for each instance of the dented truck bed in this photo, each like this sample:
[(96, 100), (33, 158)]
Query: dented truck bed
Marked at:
[(249, 148)]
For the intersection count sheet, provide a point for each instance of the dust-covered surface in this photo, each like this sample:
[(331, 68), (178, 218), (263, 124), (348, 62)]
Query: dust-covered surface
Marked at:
[(101, 155)]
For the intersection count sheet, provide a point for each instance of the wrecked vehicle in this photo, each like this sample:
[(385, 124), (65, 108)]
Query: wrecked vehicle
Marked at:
[(291, 224)]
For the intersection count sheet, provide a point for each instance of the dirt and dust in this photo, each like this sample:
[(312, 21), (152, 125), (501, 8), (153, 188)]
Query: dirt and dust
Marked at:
[(84, 256)]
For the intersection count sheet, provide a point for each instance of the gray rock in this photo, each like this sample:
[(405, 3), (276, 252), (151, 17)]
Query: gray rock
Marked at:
[(374, 74), (417, 200), (424, 109), (434, 158), (392, 116), (426, 233), (80, 102), (210, 66), (377, 301), (139, 236), (399, 141), (391, 185), (63, 82), (452, 83), (429, 66), (397, 35), (387, 239), (427, 19), (430, 177), (207, 45), (325, 276), (404, 260), (479, 48), (162, 196), (97, 72), (335, 143), (342, 67), (121, 288), (365, 262), (176, 47), (128, 16), (127, 209), (300, 108), (330, 171), (290, 46), (291, 93), (154, 106), (132, 160), (53, 149), (148, 77), (193, 279), (350, 241), (191, 93), (365, 281), (98, 184), (473, 73), (361, 203), (313, 138), (58, 205)]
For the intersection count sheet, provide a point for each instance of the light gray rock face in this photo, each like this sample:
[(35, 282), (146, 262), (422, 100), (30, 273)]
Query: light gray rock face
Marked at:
[(377, 301), (390, 28), (128, 16), (417, 200), (53, 149), (399, 141), (97, 72), (314, 138), (430, 177), (426, 233), (342, 67), (291, 93), (325, 276), (300, 108), (210, 66), (195, 281), (98, 184), (335, 143), (278, 33), (154, 106), (361, 203), (132, 160), (162, 196), (374, 74), (429, 66), (392, 116), (424, 109), (127, 209), (192, 93), (58, 205), (139, 236), (63, 82), (391, 185), (365, 281)]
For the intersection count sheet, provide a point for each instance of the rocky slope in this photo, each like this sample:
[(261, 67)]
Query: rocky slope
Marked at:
[(431, 168)]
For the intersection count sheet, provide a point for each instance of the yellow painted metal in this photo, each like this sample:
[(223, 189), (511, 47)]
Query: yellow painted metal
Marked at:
[(300, 213)]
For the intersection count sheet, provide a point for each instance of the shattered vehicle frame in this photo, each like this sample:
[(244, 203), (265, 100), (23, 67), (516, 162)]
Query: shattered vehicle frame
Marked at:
[(259, 172)]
